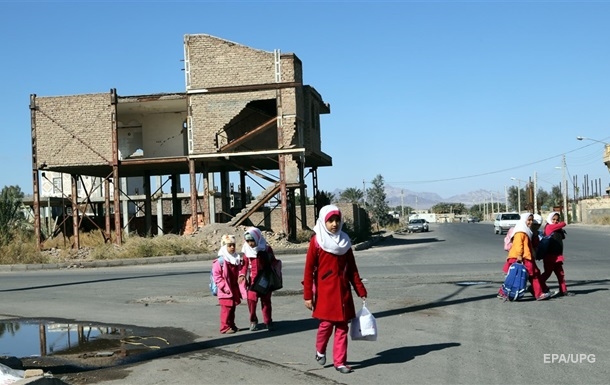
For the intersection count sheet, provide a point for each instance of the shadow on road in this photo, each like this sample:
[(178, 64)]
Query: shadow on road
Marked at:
[(402, 354)]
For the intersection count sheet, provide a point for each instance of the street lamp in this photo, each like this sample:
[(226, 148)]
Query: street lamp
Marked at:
[(594, 140), (518, 193)]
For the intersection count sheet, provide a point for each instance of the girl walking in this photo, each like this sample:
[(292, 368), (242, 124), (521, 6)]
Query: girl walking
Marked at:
[(231, 284), (330, 273), (553, 260), (258, 255)]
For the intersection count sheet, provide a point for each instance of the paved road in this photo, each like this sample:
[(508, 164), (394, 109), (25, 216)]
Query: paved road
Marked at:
[(436, 326)]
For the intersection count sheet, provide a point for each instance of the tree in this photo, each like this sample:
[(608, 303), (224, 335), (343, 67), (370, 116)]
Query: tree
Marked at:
[(11, 216), (325, 198), (351, 195), (543, 197), (378, 205)]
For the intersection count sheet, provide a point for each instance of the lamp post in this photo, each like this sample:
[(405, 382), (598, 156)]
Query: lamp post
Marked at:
[(518, 193)]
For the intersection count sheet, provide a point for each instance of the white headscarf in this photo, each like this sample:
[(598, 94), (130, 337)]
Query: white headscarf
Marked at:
[(549, 218), (233, 259), (521, 226), (337, 243), (261, 243)]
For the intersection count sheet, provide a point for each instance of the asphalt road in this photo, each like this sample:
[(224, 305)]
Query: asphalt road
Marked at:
[(433, 294)]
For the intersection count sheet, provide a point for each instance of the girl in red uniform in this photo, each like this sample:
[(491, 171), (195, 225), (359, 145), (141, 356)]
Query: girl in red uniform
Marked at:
[(258, 255), (330, 268), (553, 260)]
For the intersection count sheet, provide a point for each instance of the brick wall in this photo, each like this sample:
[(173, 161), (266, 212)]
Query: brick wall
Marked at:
[(215, 62), (74, 130)]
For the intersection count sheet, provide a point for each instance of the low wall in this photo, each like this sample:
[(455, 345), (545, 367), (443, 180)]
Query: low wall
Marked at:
[(594, 211)]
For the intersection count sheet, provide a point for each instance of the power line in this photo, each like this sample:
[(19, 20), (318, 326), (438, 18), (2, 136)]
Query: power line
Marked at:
[(490, 172)]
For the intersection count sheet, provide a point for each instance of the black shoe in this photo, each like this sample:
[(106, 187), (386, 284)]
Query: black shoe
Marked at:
[(344, 369), (270, 326), (320, 359)]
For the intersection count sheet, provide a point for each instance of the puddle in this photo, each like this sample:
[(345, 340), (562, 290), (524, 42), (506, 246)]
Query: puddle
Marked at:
[(82, 345)]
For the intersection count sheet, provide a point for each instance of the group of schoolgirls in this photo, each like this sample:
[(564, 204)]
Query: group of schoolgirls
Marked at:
[(525, 241), (230, 271), (330, 273)]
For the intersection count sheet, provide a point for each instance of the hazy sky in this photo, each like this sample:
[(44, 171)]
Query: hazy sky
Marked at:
[(436, 96)]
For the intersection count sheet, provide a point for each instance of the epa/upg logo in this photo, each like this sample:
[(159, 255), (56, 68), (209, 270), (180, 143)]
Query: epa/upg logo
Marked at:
[(569, 358)]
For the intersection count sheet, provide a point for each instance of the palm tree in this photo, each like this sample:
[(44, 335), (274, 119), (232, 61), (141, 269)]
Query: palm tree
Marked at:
[(351, 195)]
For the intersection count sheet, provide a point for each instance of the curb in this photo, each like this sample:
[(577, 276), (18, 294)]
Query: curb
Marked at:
[(166, 259)]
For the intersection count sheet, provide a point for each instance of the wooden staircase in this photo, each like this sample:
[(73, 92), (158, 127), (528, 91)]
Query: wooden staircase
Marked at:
[(260, 200)]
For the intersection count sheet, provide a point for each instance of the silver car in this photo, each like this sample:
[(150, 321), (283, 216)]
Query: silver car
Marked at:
[(416, 225)]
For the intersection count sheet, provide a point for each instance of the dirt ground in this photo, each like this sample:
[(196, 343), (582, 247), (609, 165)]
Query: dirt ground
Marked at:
[(212, 233)]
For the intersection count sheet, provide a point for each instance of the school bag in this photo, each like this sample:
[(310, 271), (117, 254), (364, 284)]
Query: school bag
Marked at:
[(508, 239), (515, 282), (213, 286), (550, 244)]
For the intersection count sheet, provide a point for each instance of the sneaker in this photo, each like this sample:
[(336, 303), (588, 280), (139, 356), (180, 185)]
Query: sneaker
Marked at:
[(343, 369), (320, 359), (270, 326), (502, 297), (253, 327), (566, 293), (228, 331), (544, 296), (554, 293)]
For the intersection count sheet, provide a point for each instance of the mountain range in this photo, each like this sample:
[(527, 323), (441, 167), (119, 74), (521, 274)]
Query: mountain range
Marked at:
[(424, 200)]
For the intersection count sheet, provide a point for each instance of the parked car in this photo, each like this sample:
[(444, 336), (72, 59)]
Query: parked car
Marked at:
[(417, 225), (504, 221), (473, 220)]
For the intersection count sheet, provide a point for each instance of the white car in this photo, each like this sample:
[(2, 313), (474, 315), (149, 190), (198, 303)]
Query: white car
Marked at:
[(504, 221), (416, 225)]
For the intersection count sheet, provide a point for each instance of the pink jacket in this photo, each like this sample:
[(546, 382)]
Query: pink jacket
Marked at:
[(221, 277)]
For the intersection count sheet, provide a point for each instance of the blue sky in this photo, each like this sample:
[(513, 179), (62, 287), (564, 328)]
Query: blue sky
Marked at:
[(440, 96)]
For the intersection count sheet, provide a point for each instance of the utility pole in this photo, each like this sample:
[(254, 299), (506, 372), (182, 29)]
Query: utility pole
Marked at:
[(364, 190), (565, 189), (535, 194), (402, 203)]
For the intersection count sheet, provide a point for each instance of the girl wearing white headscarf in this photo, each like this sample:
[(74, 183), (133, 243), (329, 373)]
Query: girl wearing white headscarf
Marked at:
[(330, 273), (553, 261), (522, 251), (231, 284), (258, 255)]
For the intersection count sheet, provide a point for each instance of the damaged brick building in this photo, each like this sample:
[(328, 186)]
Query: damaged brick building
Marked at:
[(245, 113)]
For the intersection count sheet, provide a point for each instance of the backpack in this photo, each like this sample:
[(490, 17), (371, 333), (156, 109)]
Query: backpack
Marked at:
[(508, 239), (515, 282), (552, 243), (213, 285)]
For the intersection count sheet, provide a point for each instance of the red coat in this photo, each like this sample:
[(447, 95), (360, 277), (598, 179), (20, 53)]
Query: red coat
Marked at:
[(331, 275)]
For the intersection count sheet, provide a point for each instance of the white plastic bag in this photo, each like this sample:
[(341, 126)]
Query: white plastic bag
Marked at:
[(364, 326), (9, 376)]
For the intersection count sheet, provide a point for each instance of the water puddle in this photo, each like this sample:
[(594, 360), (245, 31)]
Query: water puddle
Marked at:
[(68, 346)]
